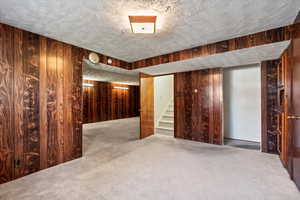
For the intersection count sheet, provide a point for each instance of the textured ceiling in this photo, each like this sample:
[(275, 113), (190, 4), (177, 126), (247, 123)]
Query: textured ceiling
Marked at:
[(106, 73), (103, 26), (229, 59)]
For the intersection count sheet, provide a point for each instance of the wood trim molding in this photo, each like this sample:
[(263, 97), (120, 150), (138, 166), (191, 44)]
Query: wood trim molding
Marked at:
[(257, 39)]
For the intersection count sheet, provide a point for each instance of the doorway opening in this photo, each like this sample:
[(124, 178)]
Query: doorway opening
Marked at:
[(164, 105), (242, 107), (110, 103)]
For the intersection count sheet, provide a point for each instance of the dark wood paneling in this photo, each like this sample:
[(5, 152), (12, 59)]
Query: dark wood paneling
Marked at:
[(293, 106), (51, 103), (18, 101), (269, 87), (40, 102), (6, 104), (43, 104), (199, 105), (252, 40), (103, 102), (264, 106), (77, 56), (31, 128)]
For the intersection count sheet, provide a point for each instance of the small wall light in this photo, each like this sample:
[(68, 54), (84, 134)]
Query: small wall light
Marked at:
[(121, 88), (88, 85), (109, 61)]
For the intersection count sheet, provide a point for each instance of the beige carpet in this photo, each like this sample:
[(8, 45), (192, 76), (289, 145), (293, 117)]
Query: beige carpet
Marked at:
[(117, 166)]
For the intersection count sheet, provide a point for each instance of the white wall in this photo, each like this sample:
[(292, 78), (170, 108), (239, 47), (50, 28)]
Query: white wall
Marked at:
[(163, 93), (242, 103)]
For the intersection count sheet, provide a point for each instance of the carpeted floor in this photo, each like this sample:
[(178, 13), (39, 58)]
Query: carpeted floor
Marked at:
[(118, 166), (242, 144)]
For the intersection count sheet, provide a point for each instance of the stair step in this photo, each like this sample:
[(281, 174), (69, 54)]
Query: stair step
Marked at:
[(166, 124), (167, 121), (165, 128), (168, 117), (164, 131), (169, 112)]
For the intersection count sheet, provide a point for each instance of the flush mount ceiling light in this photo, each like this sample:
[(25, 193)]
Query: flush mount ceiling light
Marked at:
[(143, 24)]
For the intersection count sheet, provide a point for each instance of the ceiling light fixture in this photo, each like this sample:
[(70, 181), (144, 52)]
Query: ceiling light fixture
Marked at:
[(143, 24), (122, 88)]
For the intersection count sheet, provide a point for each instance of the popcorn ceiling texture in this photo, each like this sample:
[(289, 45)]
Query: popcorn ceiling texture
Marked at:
[(103, 25)]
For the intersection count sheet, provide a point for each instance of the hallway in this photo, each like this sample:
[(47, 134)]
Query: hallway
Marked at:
[(159, 167)]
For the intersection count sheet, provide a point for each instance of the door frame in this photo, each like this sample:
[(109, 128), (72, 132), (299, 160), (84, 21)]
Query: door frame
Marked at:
[(175, 110)]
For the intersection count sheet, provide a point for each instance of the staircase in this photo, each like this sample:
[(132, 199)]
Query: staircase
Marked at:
[(166, 121)]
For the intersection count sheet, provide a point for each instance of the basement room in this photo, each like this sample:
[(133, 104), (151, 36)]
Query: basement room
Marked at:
[(150, 99)]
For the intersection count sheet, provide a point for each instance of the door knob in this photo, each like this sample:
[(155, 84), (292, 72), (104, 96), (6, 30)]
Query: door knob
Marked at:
[(293, 117)]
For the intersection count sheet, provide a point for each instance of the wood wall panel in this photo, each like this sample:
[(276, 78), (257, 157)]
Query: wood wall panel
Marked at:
[(102, 102), (199, 100), (31, 128), (40, 102), (6, 105), (18, 93), (269, 83), (77, 58)]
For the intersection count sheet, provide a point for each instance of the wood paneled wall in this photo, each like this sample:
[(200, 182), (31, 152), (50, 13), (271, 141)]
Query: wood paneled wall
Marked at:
[(40, 102), (199, 105), (103, 102)]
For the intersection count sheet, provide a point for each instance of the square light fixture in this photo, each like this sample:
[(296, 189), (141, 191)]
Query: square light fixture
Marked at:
[(143, 24)]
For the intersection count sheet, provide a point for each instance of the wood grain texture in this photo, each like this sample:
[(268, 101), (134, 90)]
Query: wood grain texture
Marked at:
[(102, 102), (269, 106), (6, 105), (283, 93), (31, 127), (252, 40), (264, 106), (18, 101), (198, 97), (40, 102), (146, 105), (294, 110)]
